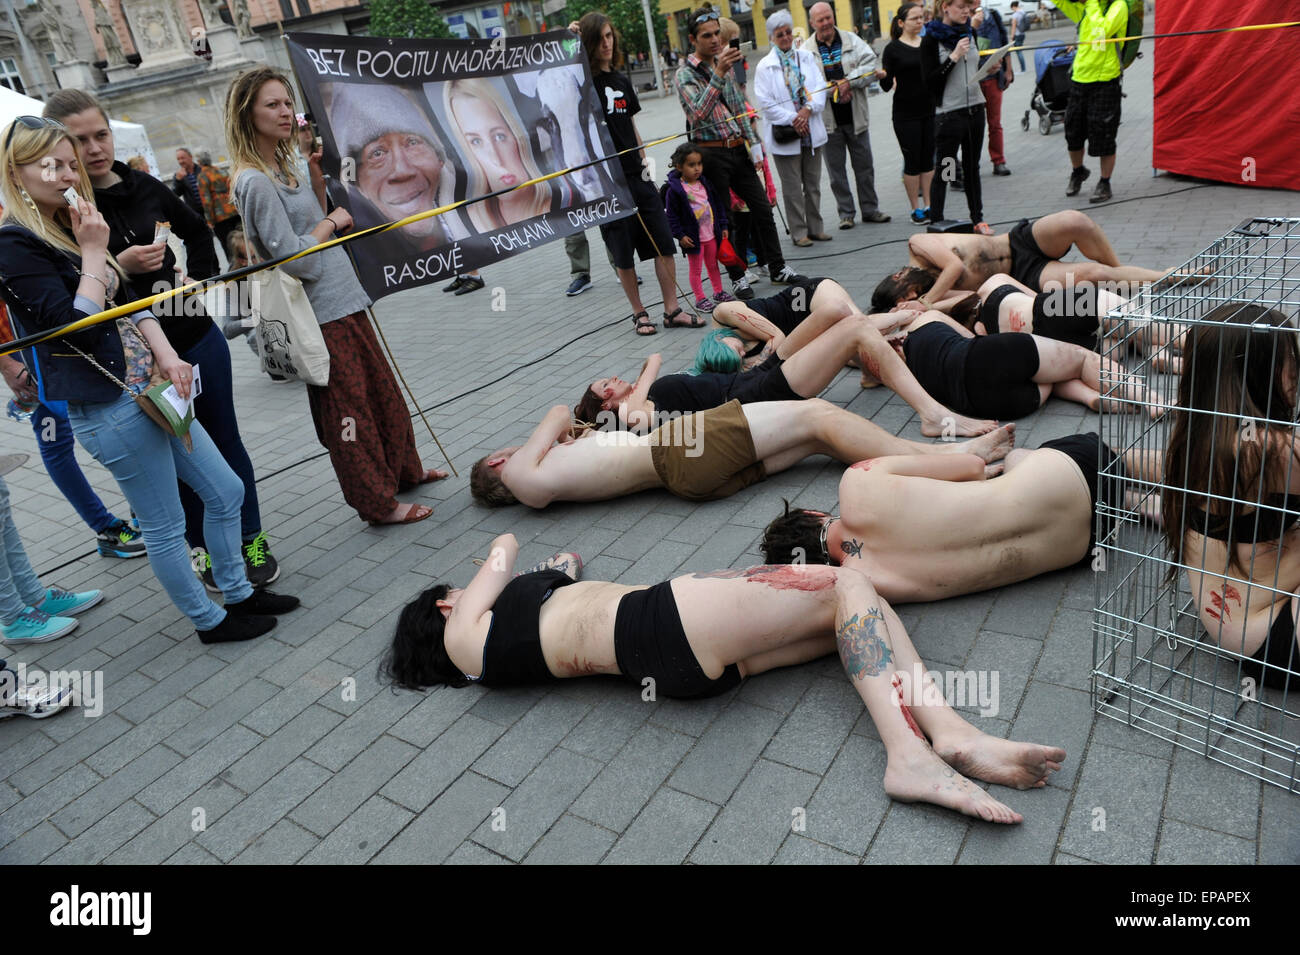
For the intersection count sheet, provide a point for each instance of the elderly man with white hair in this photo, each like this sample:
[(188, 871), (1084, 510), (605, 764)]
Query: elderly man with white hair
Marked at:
[(849, 63), (789, 88)]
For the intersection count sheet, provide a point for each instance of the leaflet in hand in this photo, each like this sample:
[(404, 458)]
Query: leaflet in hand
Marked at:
[(184, 408), (991, 63)]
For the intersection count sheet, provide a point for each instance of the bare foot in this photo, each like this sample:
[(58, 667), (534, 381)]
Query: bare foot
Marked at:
[(994, 446), (950, 424), (993, 470), (405, 514), (431, 475), (915, 773), (1002, 761)]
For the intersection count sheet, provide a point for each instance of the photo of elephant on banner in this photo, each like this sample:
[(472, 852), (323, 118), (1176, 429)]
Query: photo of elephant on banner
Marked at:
[(413, 125)]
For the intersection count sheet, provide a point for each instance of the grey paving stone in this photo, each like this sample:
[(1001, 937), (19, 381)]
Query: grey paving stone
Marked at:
[(436, 832), (35, 845), (363, 833), (813, 733), (1131, 812), (164, 837), (471, 853), (303, 659), (1064, 858), (524, 745), (1212, 796), (191, 773), (725, 753), (94, 734), (1121, 736), (322, 679), (850, 801), (690, 717), (361, 728), (631, 778), (104, 836), (918, 834), (778, 690), (1032, 842), (1181, 844), (108, 759), (281, 844), (571, 841), (438, 710), (664, 832), (507, 705), (19, 749), (165, 691), (439, 763), (1019, 609), (272, 754), (534, 805), (608, 725), (358, 781), (240, 826), (1055, 716), (1279, 840), (1067, 652), (40, 805), (754, 822), (947, 629), (796, 850), (102, 798), (1011, 658)]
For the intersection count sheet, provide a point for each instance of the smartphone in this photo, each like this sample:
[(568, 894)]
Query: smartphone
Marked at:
[(735, 43)]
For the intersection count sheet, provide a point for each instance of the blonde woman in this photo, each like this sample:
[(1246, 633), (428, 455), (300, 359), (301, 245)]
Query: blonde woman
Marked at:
[(55, 268), (497, 155), (360, 415)]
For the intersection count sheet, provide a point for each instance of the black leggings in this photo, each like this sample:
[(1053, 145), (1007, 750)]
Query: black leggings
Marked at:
[(915, 136), (959, 129)]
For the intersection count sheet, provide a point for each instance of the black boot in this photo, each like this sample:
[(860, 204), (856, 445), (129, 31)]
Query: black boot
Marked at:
[(263, 602)]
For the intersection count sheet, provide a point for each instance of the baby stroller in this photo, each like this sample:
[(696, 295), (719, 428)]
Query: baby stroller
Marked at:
[(1052, 63)]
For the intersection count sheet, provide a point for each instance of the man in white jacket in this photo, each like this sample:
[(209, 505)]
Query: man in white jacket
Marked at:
[(789, 88), (850, 63)]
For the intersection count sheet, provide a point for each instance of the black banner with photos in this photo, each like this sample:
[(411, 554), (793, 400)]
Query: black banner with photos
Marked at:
[(412, 125)]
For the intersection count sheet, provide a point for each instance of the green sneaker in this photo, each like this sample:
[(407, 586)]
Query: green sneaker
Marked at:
[(36, 626), (63, 603), (120, 539), (259, 566)]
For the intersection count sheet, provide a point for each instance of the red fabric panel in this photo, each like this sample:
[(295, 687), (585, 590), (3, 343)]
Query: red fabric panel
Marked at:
[(1223, 99)]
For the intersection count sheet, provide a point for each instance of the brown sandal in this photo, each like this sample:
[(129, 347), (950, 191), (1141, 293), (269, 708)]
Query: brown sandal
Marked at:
[(413, 515), (672, 321), (641, 322)]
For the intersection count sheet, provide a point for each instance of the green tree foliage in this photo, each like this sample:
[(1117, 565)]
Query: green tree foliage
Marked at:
[(627, 19), (406, 18)]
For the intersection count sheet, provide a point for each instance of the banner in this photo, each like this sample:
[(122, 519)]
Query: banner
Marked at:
[(411, 125)]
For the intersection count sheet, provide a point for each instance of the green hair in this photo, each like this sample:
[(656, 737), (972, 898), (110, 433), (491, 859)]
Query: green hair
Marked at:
[(714, 355)]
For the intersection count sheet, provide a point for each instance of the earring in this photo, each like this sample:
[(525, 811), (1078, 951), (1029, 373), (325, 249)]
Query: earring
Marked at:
[(31, 204)]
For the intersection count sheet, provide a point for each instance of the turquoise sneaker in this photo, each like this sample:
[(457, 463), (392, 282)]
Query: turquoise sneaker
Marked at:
[(62, 603), (36, 626)]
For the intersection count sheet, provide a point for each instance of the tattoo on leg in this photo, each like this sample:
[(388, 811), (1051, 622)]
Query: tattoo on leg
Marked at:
[(862, 651)]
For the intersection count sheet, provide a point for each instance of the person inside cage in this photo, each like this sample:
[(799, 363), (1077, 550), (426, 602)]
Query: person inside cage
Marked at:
[(1231, 496), (701, 634)]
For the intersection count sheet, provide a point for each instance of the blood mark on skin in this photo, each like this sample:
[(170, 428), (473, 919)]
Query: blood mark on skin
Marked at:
[(806, 578), (1015, 321), (863, 465), (906, 710), (1230, 593), (576, 667), (873, 365)]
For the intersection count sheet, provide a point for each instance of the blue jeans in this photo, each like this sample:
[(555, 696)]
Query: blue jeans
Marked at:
[(19, 586), (215, 410), (146, 462), (1019, 40), (50, 421)]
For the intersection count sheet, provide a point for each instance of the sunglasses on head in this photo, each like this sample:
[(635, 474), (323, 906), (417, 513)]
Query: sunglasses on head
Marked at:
[(30, 122), (705, 17)]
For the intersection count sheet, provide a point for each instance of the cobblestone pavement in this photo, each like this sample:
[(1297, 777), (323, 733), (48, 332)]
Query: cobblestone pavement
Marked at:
[(284, 768)]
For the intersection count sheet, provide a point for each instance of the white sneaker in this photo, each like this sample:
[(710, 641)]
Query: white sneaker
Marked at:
[(740, 288), (752, 277), (27, 699)]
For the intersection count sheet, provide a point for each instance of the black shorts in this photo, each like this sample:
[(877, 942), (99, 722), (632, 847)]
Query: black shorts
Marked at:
[(1092, 457), (1027, 259), (999, 374), (628, 236), (1092, 114), (765, 382), (780, 309), (1068, 315), (915, 135), (649, 642), (1280, 651)]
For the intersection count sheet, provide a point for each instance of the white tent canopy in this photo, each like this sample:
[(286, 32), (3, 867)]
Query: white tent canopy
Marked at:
[(129, 139)]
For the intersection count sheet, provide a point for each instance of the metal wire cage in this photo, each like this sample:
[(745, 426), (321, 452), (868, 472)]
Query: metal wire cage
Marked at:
[(1168, 659)]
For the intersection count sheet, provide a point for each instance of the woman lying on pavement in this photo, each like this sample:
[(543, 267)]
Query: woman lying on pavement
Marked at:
[(701, 634)]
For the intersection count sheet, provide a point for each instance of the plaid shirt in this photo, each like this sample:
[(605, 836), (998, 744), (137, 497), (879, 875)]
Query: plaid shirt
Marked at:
[(214, 192), (712, 104)]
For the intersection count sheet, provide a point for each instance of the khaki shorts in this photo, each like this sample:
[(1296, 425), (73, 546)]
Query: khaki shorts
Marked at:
[(706, 455)]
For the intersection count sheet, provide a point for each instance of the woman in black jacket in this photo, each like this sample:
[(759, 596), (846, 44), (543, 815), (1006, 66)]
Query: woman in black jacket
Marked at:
[(134, 203), (55, 268), (913, 111)]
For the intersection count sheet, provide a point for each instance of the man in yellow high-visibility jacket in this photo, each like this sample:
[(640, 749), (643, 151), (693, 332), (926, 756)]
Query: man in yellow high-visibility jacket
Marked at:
[(1092, 114)]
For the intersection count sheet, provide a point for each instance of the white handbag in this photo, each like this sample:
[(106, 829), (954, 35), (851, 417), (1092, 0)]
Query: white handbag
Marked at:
[(289, 339)]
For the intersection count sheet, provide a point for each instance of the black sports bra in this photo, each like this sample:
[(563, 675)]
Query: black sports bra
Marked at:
[(1258, 525), (512, 652)]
